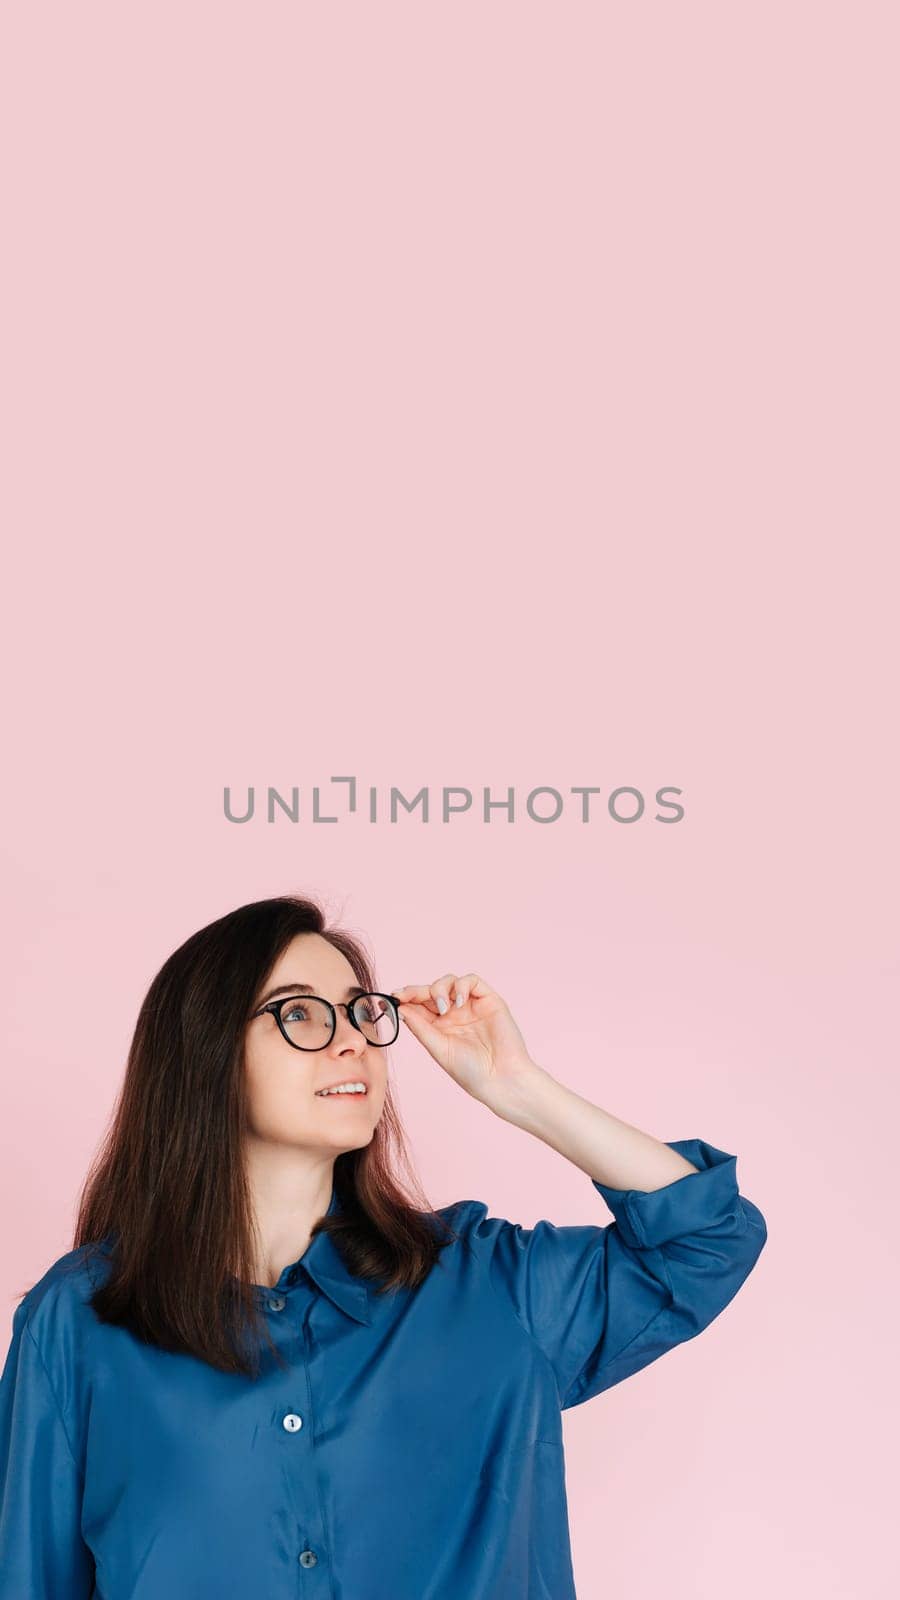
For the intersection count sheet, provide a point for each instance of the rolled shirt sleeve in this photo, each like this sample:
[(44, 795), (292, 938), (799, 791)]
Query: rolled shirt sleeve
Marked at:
[(42, 1553), (604, 1301)]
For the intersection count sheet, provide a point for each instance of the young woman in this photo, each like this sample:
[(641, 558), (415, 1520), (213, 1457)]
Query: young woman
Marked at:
[(267, 1367)]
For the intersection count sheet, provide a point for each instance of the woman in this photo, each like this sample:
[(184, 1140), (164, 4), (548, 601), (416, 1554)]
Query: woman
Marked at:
[(266, 1367)]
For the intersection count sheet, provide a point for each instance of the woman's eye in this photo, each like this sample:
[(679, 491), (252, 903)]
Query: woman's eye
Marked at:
[(294, 1011)]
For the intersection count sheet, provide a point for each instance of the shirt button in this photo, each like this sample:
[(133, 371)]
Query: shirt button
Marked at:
[(292, 1422), (277, 1302), (307, 1558)]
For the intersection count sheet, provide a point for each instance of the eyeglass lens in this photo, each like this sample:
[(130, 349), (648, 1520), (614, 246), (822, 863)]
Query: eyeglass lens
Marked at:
[(307, 1020)]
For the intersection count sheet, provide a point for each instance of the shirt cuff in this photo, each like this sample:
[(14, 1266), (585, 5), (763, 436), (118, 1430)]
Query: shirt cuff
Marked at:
[(686, 1205)]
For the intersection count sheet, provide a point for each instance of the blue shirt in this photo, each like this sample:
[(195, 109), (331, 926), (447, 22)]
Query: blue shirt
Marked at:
[(412, 1451)]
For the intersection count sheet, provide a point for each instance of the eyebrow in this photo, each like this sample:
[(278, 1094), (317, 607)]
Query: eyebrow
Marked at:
[(305, 988)]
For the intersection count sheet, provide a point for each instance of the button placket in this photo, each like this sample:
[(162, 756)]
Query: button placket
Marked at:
[(313, 1552)]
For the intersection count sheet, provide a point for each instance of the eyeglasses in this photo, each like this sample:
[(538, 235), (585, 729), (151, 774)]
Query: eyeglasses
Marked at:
[(308, 1022)]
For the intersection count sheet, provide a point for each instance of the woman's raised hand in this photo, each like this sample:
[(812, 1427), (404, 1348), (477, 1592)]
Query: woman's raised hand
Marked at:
[(470, 1031)]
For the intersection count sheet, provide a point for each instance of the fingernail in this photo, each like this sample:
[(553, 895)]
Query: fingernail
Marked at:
[(459, 999), (442, 1005)]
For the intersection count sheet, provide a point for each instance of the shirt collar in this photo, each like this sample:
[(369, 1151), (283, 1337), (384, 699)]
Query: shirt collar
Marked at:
[(325, 1265), (328, 1270)]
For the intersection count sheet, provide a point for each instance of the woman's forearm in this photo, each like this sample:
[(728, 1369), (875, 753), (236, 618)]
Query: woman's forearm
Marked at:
[(601, 1145)]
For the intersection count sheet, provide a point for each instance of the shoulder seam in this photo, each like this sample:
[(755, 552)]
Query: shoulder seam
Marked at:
[(511, 1311), (65, 1431)]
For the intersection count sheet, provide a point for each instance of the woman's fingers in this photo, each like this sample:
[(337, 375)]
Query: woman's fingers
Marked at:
[(428, 994), (438, 996)]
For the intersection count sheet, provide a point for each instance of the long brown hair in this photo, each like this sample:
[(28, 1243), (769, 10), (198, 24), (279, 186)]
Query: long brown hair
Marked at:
[(168, 1186)]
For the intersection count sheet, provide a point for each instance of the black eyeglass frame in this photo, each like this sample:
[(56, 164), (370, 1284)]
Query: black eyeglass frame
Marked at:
[(275, 1006)]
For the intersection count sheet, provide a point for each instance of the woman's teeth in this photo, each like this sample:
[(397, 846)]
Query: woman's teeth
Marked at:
[(344, 1088)]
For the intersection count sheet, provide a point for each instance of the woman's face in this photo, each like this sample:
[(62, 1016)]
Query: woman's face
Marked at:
[(282, 1081)]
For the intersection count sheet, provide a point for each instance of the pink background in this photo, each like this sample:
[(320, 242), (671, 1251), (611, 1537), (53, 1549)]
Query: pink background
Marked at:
[(488, 395)]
